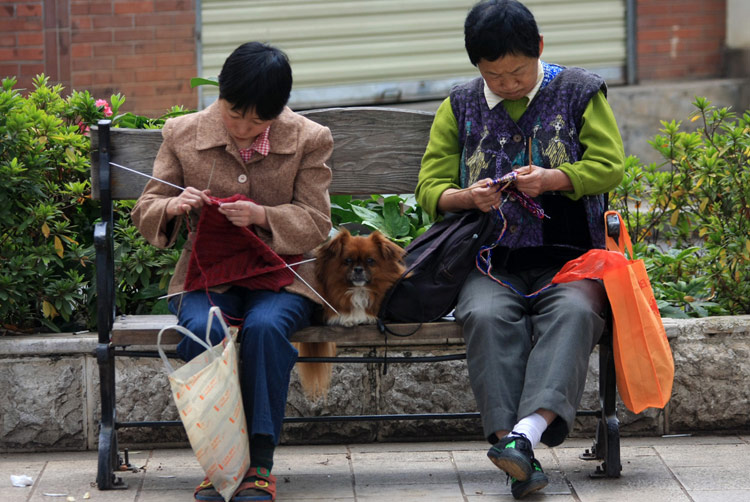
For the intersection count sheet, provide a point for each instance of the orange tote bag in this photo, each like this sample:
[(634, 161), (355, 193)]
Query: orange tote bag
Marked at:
[(643, 357)]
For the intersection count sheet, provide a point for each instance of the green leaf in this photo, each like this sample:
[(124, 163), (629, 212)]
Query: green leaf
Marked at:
[(396, 224), (196, 81), (367, 215)]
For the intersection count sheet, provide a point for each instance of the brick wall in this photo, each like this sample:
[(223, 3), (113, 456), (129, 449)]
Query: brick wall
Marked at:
[(22, 40), (680, 39), (146, 49), (142, 49)]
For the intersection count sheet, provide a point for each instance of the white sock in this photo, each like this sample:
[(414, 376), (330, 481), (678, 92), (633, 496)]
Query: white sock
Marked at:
[(532, 427)]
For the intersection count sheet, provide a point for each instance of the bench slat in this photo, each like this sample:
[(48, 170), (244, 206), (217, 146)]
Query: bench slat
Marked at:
[(133, 148), (378, 151), (143, 330)]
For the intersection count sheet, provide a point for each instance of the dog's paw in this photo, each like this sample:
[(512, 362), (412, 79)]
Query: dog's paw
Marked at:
[(349, 320)]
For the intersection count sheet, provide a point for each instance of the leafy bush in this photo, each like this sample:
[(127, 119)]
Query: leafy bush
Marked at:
[(690, 216), (399, 218), (45, 208), (47, 215)]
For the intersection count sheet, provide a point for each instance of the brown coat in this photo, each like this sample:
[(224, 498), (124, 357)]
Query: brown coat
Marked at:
[(291, 182)]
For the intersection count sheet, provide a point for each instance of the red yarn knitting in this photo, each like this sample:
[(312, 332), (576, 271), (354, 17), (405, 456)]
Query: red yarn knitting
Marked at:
[(224, 253)]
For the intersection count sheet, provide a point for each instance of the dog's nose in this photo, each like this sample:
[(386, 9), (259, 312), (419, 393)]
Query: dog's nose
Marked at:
[(358, 274)]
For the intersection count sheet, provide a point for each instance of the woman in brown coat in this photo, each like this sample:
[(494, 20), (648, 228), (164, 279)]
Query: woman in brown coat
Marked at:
[(249, 143)]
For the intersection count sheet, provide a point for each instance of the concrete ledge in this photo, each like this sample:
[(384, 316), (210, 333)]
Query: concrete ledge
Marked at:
[(50, 344), (51, 394)]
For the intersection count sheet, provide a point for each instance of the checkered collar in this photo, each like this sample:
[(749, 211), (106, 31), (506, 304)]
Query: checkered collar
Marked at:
[(260, 145)]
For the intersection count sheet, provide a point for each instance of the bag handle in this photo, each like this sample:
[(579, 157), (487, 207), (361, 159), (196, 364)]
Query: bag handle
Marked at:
[(623, 242), (213, 312), (216, 312)]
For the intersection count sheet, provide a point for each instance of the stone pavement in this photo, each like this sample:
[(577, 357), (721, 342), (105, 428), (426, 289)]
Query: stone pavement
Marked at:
[(684, 468)]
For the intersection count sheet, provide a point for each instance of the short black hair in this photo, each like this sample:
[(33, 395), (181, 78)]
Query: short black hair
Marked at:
[(497, 28), (256, 76)]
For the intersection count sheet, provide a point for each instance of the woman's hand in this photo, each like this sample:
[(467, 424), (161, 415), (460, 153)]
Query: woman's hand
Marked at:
[(534, 180), (189, 198), (244, 213), (485, 196), (477, 196)]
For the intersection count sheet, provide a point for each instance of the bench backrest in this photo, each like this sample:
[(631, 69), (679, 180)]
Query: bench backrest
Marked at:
[(376, 150)]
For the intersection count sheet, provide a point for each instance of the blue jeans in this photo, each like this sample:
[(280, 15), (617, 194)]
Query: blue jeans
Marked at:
[(266, 355)]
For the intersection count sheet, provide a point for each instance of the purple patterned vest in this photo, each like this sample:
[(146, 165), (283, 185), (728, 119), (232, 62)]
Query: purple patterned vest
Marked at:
[(493, 144)]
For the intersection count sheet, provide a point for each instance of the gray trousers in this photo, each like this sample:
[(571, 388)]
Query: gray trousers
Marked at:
[(524, 354)]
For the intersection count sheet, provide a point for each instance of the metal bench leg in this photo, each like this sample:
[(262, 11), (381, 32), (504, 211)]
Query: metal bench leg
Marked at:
[(108, 454), (609, 423), (607, 442)]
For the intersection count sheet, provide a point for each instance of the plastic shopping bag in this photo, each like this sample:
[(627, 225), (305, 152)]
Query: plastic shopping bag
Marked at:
[(206, 391), (643, 358), (644, 367)]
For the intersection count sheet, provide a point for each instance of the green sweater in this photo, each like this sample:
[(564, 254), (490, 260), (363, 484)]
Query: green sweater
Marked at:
[(599, 170)]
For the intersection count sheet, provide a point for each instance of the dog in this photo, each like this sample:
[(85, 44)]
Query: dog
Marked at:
[(354, 273)]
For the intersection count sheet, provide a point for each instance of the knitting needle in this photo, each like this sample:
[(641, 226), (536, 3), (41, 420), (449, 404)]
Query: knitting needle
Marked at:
[(313, 290), (529, 153), (146, 175), (289, 266), (211, 175), (478, 186), (485, 186)]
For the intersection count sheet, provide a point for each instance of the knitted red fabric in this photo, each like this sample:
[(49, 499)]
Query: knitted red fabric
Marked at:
[(224, 253)]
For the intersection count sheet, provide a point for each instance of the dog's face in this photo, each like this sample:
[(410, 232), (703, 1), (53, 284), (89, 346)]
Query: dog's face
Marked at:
[(357, 271)]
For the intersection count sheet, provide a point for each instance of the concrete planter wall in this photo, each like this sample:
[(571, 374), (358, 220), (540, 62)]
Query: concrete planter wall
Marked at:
[(50, 393)]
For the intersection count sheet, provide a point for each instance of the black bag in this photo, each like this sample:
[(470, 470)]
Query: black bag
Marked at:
[(437, 263)]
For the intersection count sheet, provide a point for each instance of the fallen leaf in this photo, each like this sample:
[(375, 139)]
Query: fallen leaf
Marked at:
[(58, 246)]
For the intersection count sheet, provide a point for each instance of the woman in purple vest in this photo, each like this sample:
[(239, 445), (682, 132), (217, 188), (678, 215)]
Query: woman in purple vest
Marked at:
[(527, 353)]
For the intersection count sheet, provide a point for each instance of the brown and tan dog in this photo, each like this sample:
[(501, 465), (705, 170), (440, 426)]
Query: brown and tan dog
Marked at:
[(354, 273)]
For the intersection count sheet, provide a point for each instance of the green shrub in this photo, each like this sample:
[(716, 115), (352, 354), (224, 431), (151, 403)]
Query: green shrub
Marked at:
[(399, 218), (690, 216), (45, 208), (47, 275)]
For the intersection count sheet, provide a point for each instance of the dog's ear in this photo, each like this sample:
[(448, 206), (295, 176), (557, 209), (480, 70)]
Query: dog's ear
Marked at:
[(389, 250), (335, 246), (328, 252)]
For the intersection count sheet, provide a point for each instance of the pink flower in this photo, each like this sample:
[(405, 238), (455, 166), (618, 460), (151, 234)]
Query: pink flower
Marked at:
[(107, 109)]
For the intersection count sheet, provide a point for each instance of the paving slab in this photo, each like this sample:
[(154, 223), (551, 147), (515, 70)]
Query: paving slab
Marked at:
[(684, 468), (479, 476), (313, 476), (74, 477), (28, 466)]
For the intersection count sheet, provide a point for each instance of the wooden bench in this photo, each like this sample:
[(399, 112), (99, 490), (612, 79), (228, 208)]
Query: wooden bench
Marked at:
[(377, 151)]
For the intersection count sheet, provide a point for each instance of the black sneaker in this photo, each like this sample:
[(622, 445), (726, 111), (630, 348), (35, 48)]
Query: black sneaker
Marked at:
[(537, 480), (513, 454)]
